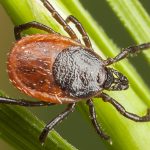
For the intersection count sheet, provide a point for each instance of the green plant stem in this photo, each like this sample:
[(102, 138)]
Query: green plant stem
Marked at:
[(135, 19), (21, 129), (125, 134)]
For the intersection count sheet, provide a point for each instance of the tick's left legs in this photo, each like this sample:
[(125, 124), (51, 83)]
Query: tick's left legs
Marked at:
[(60, 20), (18, 29), (80, 29), (126, 51), (95, 123), (55, 121), (122, 110)]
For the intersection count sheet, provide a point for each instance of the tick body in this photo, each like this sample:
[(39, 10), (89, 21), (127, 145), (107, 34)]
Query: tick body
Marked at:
[(30, 66), (60, 70)]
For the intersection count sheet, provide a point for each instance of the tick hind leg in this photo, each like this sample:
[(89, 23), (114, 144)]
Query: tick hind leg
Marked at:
[(55, 121), (126, 52), (122, 110), (81, 29), (34, 24), (60, 20), (5, 100), (95, 123)]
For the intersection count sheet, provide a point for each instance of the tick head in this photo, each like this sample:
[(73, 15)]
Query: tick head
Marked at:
[(115, 81)]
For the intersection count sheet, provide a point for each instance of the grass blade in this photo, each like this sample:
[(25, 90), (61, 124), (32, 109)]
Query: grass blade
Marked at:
[(136, 134), (135, 19), (21, 129)]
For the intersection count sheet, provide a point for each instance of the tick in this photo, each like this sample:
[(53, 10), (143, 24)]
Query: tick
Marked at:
[(59, 70)]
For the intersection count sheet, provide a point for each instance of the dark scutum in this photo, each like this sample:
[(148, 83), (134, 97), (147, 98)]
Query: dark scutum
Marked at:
[(79, 72)]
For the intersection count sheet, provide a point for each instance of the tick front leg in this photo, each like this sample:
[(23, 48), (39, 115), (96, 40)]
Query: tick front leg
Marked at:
[(126, 51), (95, 123), (55, 121), (5, 100), (122, 110), (81, 29), (18, 29)]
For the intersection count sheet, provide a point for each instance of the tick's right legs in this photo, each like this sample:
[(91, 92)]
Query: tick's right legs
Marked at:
[(95, 123), (121, 109), (55, 121), (5, 100)]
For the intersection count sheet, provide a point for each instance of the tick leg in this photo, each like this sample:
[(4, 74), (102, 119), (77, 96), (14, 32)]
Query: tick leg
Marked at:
[(60, 20), (34, 24), (55, 121), (126, 51), (4, 100), (81, 29), (122, 110), (95, 123)]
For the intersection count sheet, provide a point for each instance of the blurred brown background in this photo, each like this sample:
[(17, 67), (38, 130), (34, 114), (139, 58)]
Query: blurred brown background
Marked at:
[(74, 129)]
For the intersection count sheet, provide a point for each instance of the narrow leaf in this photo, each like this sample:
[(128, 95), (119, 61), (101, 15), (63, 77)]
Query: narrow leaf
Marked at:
[(125, 134), (135, 19)]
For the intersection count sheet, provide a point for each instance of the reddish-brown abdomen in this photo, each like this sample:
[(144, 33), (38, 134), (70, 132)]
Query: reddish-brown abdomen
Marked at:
[(30, 66)]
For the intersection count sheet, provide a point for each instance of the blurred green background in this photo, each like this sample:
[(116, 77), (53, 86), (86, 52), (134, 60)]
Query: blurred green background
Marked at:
[(74, 129)]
